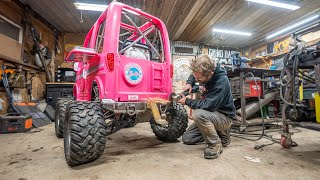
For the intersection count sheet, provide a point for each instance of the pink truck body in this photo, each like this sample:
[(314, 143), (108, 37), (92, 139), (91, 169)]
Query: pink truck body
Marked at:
[(123, 77), (119, 77)]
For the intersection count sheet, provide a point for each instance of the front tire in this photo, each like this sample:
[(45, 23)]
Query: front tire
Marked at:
[(85, 133), (177, 124)]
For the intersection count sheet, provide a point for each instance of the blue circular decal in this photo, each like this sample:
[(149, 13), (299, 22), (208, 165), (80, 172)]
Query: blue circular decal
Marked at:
[(133, 73)]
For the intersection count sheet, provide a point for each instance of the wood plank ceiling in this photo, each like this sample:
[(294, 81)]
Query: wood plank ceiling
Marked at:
[(189, 20)]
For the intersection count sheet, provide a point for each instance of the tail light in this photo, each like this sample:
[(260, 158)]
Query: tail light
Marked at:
[(171, 70), (110, 61)]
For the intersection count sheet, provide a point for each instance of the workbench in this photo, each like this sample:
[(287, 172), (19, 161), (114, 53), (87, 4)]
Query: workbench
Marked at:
[(56, 90), (263, 75)]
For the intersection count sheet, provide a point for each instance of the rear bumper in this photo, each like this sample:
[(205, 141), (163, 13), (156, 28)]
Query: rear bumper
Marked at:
[(124, 107)]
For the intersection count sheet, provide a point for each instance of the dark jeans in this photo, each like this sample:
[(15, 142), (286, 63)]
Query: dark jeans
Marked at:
[(205, 127)]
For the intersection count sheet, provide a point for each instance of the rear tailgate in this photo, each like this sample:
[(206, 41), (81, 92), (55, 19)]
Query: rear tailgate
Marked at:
[(142, 79)]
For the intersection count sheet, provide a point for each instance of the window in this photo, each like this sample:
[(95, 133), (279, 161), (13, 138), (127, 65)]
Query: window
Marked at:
[(140, 38), (10, 29), (100, 37)]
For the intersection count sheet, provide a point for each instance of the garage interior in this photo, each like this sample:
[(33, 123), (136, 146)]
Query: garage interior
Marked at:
[(57, 60)]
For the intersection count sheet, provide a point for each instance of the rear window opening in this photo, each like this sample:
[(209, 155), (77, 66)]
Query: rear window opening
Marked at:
[(140, 38)]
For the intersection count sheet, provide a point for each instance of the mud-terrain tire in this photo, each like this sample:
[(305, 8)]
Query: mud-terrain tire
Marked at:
[(84, 132), (177, 124), (60, 116)]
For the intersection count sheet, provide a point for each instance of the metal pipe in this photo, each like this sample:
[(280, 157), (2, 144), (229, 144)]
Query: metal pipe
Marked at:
[(252, 108)]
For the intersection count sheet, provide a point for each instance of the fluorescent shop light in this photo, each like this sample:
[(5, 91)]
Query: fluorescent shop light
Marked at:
[(276, 4), (307, 28), (231, 32), (91, 7), (280, 32)]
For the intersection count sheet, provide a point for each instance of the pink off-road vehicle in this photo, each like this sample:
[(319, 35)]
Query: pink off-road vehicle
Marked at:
[(124, 76)]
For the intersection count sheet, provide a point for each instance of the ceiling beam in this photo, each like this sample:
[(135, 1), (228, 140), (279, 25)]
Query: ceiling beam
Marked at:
[(37, 16), (209, 25), (309, 9), (184, 10), (67, 19), (188, 19), (242, 25), (201, 19)]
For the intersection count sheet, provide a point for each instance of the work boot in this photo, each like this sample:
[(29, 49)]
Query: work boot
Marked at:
[(225, 137), (213, 151)]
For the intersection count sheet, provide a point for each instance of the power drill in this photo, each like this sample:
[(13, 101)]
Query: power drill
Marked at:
[(177, 97)]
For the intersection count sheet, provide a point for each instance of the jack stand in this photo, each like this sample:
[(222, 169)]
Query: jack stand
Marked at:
[(286, 141)]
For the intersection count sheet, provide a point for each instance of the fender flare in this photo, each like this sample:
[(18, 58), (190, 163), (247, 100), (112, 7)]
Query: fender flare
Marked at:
[(75, 90)]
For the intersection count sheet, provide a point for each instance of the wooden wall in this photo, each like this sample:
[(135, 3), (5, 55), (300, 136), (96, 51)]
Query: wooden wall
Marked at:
[(279, 47), (181, 71), (312, 38), (9, 48), (11, 52), (69, 41)]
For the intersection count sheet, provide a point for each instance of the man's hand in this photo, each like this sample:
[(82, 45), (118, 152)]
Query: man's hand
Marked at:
[(182, 101), (187, 87)]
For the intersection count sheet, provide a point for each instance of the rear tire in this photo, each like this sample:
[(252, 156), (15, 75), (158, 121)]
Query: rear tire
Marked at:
[(60, 116), (177, 124), (85, 133)]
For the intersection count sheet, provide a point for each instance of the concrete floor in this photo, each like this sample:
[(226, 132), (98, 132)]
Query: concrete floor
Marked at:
[(135, 153)]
